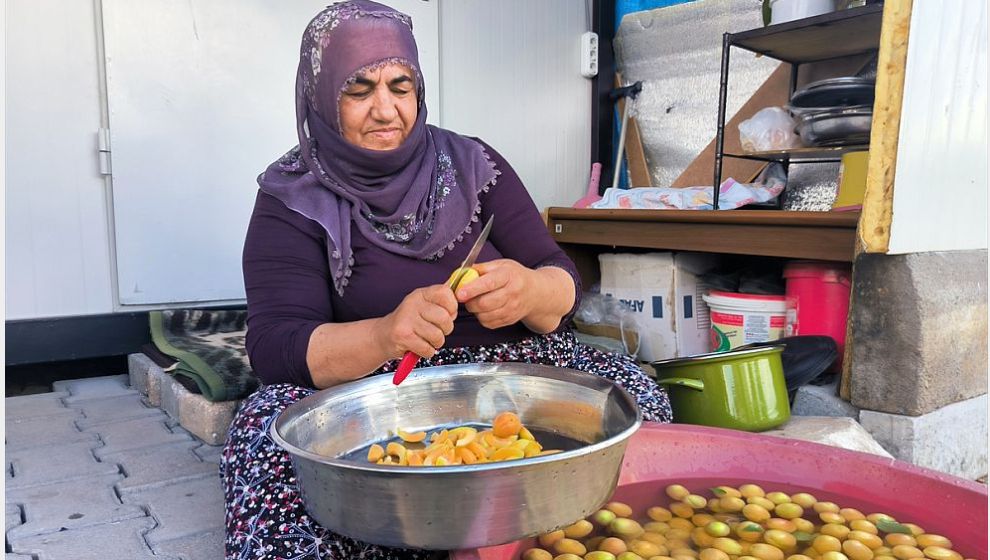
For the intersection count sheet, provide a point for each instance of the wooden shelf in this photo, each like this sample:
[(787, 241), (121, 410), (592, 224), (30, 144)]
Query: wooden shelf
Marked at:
[(829, 236), (832, 35)]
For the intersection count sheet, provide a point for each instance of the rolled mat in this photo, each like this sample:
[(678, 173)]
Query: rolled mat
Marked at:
[(209, 348)]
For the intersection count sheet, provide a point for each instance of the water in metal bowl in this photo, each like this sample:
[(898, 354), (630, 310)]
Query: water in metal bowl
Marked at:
[(461, 506)]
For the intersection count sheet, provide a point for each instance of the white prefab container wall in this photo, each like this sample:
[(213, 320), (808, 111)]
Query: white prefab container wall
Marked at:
[(940, 186), (201, 99), (58, 245)]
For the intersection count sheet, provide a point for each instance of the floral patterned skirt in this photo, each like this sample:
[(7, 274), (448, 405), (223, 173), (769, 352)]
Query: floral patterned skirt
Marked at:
[(265, 516)]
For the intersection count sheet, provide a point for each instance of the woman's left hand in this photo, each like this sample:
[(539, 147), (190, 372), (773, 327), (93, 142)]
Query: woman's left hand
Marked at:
[(508, 292), (501, 296)]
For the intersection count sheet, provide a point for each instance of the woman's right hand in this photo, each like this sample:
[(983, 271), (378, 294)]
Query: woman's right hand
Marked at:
[(419, 324)]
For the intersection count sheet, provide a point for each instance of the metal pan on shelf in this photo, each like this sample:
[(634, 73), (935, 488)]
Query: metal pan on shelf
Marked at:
[(841, 126), (847, 91)]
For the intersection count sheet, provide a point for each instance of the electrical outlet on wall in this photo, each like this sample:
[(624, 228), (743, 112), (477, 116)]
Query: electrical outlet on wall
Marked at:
[(589, 54)]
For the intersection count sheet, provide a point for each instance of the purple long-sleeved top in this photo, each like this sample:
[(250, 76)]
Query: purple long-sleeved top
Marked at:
[(289, 291)]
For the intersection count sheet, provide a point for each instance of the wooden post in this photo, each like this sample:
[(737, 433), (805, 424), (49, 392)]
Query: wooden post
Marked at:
[(873, 234), (639, 170)]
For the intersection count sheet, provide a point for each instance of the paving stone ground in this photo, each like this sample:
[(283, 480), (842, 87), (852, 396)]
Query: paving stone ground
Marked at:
[(93, 472)]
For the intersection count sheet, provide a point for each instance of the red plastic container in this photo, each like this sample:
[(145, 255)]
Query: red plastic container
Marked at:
[(818, 301), (700, 458)]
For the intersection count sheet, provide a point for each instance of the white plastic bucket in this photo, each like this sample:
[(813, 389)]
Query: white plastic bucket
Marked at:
[(782, 11), (740, 319)]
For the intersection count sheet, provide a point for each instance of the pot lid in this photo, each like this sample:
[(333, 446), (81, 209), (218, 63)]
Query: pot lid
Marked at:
[(835, 92), (804, 357), (719, 356)]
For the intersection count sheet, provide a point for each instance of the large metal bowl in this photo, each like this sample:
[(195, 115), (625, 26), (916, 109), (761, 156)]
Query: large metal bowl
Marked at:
[(453, 507)]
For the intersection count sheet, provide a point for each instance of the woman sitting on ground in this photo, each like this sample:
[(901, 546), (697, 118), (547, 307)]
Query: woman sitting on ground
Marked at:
[(352, 237)]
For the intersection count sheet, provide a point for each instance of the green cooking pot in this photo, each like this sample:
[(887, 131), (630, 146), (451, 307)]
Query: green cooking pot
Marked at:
[(743, 390)]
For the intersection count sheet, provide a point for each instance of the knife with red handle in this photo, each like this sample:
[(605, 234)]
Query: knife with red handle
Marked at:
[(410, 358)]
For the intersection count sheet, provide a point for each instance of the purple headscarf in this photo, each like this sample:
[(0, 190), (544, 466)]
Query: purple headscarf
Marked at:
[(416, 200)]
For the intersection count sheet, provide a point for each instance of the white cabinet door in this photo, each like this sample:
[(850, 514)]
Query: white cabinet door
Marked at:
[(200, 96)]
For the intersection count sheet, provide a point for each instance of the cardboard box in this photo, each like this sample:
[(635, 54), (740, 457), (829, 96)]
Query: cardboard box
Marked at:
[(664, 290)]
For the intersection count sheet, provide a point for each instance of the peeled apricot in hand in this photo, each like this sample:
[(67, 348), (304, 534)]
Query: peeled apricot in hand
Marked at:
[(506, 424), (469, 276)]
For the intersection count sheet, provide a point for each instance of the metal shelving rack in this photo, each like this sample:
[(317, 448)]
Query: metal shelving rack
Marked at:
[(833, 35)]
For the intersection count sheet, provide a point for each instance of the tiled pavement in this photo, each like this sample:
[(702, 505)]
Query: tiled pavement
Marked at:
[(93, 472)]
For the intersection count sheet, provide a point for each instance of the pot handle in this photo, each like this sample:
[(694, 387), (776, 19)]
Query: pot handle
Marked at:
[(696, 384)]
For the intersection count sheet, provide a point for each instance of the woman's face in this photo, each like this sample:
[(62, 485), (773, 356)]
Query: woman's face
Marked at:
[(378, 110)]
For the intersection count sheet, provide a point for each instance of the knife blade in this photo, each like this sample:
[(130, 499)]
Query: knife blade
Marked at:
[(472, 255), (410, 358)]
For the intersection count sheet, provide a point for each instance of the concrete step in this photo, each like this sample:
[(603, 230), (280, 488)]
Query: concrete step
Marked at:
[(204, 419), (830, 430), (951, 439)]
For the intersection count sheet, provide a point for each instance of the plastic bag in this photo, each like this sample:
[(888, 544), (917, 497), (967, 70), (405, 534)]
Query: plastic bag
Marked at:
[(771, 128), (732, 194), (601, 310)]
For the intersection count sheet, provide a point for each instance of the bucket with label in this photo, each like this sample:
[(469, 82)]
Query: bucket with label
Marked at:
[(740, 319)]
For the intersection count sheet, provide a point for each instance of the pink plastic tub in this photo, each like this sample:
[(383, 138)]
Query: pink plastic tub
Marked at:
[(700, 457)]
